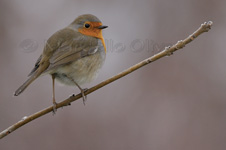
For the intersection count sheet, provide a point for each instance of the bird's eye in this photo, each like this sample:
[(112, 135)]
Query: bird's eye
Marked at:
[(87, 25)]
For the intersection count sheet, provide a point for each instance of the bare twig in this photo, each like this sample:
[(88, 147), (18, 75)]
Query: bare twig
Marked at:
[(166, 52)]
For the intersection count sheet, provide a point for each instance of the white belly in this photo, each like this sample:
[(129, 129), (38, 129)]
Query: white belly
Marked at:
[(81, 71)]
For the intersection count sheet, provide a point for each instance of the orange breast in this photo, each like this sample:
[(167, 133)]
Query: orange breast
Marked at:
[(93, 31)]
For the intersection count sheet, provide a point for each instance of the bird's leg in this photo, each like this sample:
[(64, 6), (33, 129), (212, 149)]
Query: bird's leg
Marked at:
[(81, 89), (84, 97), (54, 100)]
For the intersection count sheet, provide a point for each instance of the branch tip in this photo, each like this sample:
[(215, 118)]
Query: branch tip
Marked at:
[(206, 26)]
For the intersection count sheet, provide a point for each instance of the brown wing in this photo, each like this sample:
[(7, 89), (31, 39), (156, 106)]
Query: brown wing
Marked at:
[(64, 47), (73, 48)]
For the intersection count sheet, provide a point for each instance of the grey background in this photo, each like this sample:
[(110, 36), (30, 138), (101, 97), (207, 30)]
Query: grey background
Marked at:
[(178, 102)]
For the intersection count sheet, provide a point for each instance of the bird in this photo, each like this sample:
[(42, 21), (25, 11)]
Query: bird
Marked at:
[(72, 55)]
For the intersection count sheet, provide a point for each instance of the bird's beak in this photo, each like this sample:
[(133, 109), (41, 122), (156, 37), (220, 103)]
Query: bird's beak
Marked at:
[(102, 27)]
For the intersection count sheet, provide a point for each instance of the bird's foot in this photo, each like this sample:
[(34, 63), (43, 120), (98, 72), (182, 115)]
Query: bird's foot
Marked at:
[(84, 97), (54, 108)]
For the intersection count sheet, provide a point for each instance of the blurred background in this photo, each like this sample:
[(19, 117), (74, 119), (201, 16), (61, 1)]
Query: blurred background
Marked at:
[(177, 102)]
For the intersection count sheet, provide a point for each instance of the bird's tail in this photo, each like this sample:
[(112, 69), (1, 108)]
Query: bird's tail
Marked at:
[(26, 83)]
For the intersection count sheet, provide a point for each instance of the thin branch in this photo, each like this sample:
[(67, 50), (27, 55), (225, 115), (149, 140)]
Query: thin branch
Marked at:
[(205, 27)]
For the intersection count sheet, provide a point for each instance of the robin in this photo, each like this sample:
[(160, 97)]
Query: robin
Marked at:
[(72, 55)]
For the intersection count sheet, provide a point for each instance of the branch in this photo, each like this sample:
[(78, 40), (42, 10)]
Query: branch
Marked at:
[(205, 27)]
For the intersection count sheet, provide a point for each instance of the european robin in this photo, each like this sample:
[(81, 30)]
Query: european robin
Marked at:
[(72, 55)]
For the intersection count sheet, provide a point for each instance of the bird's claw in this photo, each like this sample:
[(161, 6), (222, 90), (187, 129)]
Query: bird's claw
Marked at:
[(84, 97), (54, 108)]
